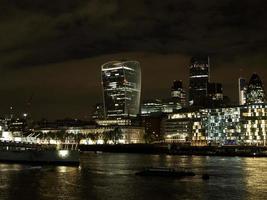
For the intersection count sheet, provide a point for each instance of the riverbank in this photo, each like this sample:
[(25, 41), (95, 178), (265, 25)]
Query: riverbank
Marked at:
[(242, 151)]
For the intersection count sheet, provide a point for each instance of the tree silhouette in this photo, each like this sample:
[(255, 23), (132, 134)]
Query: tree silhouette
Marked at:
[(117, 135), (114, 135), (93, 137)]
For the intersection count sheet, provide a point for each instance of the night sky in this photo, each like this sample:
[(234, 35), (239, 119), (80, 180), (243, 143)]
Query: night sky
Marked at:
[(51, 51)]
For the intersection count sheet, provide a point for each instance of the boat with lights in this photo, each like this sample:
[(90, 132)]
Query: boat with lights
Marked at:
[(38, 154)]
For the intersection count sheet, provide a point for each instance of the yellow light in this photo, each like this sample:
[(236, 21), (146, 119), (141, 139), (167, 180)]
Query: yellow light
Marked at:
[(63, 153)]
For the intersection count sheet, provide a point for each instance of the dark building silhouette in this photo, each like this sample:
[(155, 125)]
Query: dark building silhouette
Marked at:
[(198, 80), (152, 126), (215, 91), (215, 95), (255, 92)]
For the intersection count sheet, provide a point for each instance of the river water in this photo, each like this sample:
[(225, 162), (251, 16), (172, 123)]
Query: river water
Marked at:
[(112, 176)]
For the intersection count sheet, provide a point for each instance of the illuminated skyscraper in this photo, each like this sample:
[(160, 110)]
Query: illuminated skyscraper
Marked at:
[(198, 80), (255, 92), (242, 88), (121, 82)]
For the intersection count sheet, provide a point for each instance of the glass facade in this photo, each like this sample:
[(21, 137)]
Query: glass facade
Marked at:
[(254, 124), (121, 82), (255, 92), (222, 125), (240, 125), (198, 80)]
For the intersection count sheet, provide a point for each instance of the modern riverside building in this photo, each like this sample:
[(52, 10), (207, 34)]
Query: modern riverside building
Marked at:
[(255, 92), (242, 88), (223, 125), (179, 127), (96, 134), (254, 124), (121, 83), (237, 125), (198, 80)]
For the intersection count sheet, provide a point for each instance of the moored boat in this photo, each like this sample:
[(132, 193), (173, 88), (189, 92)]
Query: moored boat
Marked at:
[(21, 153), (165, 172)]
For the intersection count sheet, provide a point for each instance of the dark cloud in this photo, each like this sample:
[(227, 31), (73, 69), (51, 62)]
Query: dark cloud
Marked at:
[(38, 31), (81, 35)]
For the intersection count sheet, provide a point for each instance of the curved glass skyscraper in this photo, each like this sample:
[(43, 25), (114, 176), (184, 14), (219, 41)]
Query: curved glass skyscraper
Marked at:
[(255, 92), (121, 84)]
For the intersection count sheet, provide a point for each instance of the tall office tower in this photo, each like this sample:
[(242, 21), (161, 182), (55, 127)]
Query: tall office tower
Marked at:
[(198, 80), (121, 83), (242, 88), (215, 91), (177, 92), (255, 92)]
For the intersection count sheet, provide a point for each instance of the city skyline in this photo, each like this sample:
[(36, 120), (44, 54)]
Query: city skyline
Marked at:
[(133, 99), (89, 92), (51, 53)]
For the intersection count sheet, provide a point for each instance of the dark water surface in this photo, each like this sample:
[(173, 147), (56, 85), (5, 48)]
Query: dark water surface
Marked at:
[(111, 176)]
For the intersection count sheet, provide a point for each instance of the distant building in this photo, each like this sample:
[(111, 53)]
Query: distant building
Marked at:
[(215, 91), (121, 82), (130, 134), (255, 92), (171, 105), (152, 125), (215, 95), (98, 111), (95, 134), (114, 122), (178, 93), (168, 105), (160, 106), (183, 127), (242, 89), (198, 80), (151, 107)]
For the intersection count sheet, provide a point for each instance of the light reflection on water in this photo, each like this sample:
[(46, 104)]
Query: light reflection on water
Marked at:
[(255, 177), (111, 176)]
